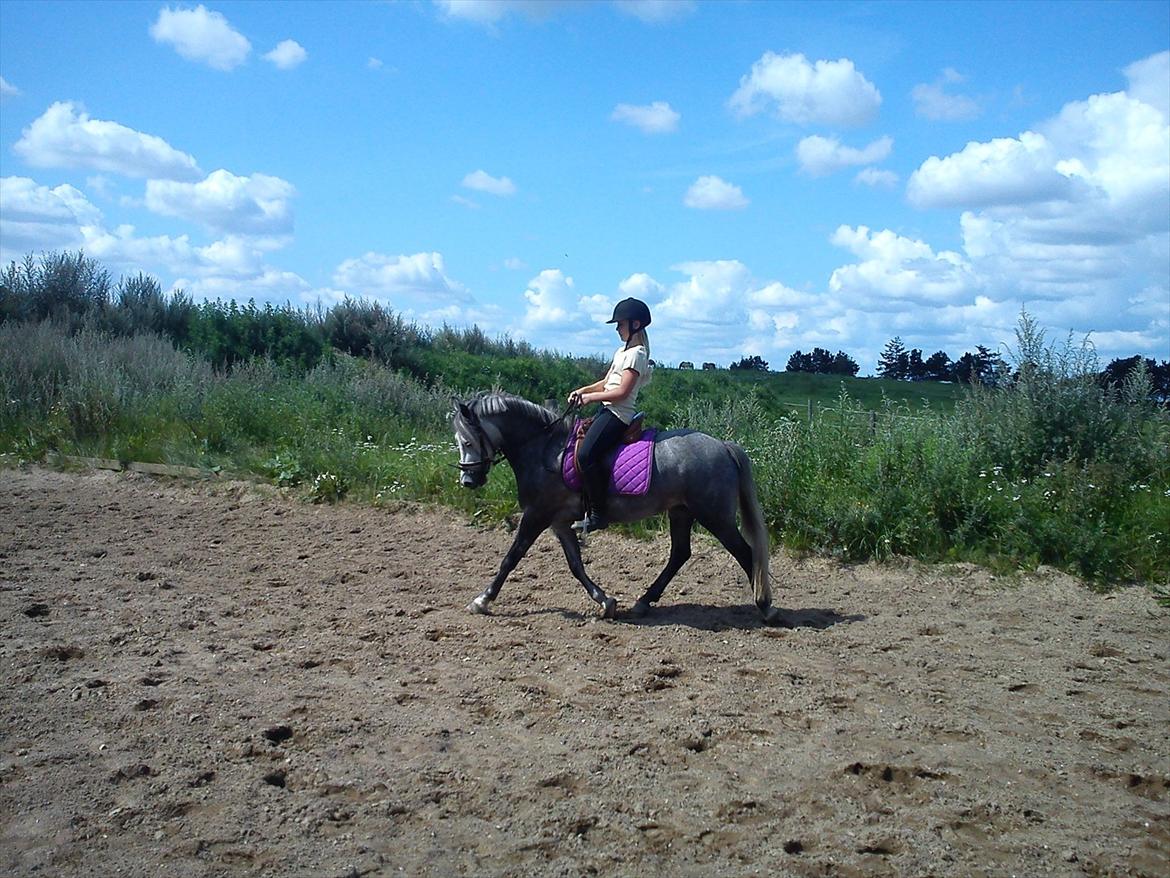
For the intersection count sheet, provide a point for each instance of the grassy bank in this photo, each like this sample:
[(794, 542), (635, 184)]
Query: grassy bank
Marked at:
[(1055, 470)]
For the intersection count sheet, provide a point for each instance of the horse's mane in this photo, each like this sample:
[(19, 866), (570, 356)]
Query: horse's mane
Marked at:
[(496, 402)]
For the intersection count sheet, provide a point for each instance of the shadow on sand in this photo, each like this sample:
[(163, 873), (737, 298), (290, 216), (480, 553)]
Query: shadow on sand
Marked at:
[(707, 617)]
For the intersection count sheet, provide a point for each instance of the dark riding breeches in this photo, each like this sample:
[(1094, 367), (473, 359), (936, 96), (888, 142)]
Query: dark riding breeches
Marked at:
[(603, 436)]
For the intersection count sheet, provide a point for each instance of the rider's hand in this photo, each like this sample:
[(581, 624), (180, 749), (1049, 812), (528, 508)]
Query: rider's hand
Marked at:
[(575, 398)]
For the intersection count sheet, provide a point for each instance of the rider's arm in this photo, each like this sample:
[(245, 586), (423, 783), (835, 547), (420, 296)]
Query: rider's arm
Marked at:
[(596, 386), (616, 394)]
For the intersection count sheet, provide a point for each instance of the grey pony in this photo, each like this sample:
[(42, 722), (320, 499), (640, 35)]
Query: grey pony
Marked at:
[(696, 478)]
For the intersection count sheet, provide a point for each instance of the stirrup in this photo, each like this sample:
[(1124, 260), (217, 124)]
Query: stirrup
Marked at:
[(591, 522)]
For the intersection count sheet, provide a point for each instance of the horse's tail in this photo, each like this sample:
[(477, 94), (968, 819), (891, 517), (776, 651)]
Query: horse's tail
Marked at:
[(755, 531)]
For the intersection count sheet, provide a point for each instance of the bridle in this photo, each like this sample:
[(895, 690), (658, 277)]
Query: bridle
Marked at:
[(497, 455), (486, 460)]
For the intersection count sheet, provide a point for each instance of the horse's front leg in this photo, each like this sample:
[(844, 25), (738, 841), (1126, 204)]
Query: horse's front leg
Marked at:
[(531, 526), (572, 547)]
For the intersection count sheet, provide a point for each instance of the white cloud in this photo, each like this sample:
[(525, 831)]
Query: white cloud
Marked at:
[(895, 270), (641, 286), (825, 93), (656, 11), (417, 285), (7, 89), (477, 11), (287, 55), (224, 202), (490, 12), (1100, 168), (482, 181), (201, 35), (878, 178), (932, 101), (713, 193), (1069, 219), (374, 64), (1006, 170), (559, 317), (35, 218), (713, 295), (513, 263), (824, 155), (551, 299), (469, 203), (101, 185), (655, 118), (724, 312), (1149, 82), (230, 268), (64, 136)]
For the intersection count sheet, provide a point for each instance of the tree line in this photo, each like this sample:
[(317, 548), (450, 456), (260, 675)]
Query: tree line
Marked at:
[(988, 368), (981, 366)]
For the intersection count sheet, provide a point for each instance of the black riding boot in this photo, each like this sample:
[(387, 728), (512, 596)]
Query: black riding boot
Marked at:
[(603, 436), (595, 516)]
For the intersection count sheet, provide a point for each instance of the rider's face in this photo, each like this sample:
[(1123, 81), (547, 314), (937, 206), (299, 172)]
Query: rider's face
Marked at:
[(623, 330)]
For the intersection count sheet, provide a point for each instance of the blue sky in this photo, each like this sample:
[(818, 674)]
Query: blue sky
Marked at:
[(767, 176)]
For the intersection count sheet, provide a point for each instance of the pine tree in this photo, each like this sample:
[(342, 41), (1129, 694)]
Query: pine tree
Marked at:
[(894, 360)]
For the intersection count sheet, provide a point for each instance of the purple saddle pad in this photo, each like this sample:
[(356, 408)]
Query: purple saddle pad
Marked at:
[(631, 466)]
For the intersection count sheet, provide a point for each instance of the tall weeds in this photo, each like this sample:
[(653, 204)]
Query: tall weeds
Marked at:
[(1052, 469)]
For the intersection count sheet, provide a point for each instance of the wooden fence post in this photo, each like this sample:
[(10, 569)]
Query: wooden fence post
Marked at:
[(810, 410)]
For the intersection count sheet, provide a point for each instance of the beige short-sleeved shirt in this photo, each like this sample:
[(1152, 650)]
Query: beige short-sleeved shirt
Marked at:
[(635, 358)]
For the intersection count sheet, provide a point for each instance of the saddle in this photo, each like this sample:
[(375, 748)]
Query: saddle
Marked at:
[(631, 463), (633, 432)]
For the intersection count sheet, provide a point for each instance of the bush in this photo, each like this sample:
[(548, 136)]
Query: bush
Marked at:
[(63, 286)]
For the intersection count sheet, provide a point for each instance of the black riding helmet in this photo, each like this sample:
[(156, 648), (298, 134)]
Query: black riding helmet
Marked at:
[(631, 309)]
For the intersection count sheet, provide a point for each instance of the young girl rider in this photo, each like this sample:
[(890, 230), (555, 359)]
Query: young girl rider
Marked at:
[(617, 392)]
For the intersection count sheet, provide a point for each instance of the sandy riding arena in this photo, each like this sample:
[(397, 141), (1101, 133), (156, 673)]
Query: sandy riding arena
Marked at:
[(215, 680)]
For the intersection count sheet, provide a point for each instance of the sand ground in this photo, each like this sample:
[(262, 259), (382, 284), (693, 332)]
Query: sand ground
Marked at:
[(218, 680)]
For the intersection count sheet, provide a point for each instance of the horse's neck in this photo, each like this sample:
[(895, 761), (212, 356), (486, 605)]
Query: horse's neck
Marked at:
[(518, 426)]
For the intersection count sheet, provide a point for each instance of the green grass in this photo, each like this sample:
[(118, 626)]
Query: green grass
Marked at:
[(1054, 471)]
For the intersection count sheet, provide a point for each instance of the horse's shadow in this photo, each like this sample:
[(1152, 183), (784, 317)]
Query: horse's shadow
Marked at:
[(708, 617)]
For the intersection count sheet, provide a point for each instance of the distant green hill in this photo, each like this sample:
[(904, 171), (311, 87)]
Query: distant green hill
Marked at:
[(789, 392)]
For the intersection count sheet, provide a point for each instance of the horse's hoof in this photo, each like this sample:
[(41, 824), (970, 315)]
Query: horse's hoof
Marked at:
[(479, 606), (639, 609), (609, 608), (775, 616)]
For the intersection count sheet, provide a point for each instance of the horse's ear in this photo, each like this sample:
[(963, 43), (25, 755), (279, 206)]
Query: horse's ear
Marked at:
[(466, 413)]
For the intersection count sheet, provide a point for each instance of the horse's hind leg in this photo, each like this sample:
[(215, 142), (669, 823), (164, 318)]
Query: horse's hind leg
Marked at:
[(681, 522), (728, 534), (530, 527), (572, 547)]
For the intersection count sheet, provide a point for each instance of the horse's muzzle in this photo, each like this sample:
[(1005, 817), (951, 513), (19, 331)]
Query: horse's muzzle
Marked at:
[(469, 479)]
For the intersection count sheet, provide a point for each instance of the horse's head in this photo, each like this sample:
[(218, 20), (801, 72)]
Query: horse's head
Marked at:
[(479, 444)]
